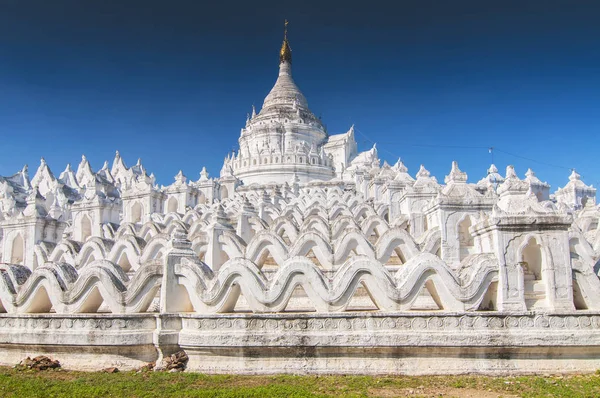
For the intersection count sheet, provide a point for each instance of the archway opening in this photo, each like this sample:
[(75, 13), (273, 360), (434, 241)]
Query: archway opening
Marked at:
[(428, 299), (465, 239), (172, 205), (16, 255), (299, 301), (92, 302), (532, 265), (532, 260), (490, 299), (86, 228), (40, 302), (124, 262), (136, 213), (396, 257)]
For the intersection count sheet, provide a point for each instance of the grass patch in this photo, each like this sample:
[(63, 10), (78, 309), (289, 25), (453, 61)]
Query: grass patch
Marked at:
[(60, 383)]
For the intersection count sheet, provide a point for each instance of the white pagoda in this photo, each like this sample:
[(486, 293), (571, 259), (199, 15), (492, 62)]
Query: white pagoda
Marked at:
[(304, 255)]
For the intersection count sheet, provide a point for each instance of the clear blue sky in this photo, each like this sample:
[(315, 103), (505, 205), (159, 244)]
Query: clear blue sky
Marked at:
[(171, 81)]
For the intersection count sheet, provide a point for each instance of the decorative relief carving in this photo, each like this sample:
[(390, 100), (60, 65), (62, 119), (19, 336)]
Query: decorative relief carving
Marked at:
[(58, 323), (112, 239), (417, 323)]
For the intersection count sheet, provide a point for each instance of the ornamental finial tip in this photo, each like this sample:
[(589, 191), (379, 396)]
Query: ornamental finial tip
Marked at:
[(285, 54)]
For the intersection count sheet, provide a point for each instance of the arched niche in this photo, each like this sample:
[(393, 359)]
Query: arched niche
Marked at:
[(465, 239), (172, 205), (86, 227), (17, 249), (531, 258), (136, 212)]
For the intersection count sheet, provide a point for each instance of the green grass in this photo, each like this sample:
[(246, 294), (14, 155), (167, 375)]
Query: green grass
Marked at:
[(27, 383)]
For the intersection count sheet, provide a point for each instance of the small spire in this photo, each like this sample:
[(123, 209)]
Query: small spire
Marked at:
[(574, 175), (423, 172), (285, 54), (456, 175), (400, 166), (529, 173), (203, 174), (510, 172), (180, 177), (493, 169)]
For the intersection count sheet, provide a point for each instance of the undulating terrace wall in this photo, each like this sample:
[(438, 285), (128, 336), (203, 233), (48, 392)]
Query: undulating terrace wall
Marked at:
[(177, 281)]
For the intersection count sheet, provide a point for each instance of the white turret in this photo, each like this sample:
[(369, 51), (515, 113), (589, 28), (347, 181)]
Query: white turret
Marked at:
[(284, 138)]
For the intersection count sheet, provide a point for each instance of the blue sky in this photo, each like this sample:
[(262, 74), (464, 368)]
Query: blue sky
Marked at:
[(431, 81)]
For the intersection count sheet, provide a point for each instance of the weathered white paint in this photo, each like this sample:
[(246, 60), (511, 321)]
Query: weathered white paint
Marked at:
[(301, 221)]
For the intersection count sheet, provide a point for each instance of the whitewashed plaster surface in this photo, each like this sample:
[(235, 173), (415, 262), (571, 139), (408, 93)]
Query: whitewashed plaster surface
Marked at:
[(356, 266)]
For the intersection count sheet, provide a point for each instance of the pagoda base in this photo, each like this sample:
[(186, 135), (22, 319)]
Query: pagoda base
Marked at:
[(424, 343)]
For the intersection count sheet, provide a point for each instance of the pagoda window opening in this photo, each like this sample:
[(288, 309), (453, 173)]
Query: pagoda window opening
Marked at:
[(172, 205), (136, 212), (16, 255), (465, 239), (532, 259), (86, 228)]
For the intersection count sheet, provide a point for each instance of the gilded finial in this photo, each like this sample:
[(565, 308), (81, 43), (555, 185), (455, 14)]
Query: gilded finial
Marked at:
[(285, 54)]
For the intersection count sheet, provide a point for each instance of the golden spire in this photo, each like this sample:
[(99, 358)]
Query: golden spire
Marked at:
[(285, 54)]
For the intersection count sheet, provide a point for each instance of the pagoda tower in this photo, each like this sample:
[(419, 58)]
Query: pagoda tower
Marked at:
[(284, 140)]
